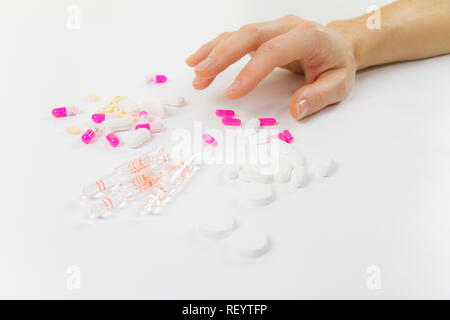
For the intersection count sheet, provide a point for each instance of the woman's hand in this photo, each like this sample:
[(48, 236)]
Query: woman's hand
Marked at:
[(324, 56)]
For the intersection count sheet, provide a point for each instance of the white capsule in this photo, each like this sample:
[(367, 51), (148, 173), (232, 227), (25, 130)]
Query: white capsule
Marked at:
[(128, 106), (249, 242), (173, 101), (283, 172), (325, 167), (232, 170), (138, 137), (155, 108), (120, 124), (253, 174), (215, 226), (298, 177), (256, 194)]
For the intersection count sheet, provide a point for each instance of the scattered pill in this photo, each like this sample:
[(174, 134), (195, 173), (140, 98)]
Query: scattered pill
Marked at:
[(288, 136), (253, 174), (215, 226), (73, 130), (119, 124), (100, 117), (155, 108), (232, 170), (157, 78), (298, 177), (143, 120), (231, 121), (224, 113), (93, 97), (267, 121), (325, 167), (208, 139), (89, 135), (248, 242), (256, 194), (112, 138), (174, 101), (105, 110), (128, 106), (65, 111), (138, 137)]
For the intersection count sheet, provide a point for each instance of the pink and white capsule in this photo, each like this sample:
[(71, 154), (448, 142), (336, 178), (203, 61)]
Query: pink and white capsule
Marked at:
[(288, 136), (89, 135), (112, 138), (143, 120), (231, 121), (208, 139), (155, 78), (267, 121), (224, 113), (65, 111), (100, 117)]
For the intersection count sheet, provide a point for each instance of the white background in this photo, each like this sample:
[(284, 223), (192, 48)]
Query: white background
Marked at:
[(387, 205)]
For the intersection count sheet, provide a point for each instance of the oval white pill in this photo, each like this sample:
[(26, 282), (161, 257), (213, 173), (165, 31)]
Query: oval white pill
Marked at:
[(325, 167), (155, 108), (256, 194), (138, 137), (283, 172), (249, 242), (232, 170), (174, 101), (215, 226), (119, 124), (128, 106), (298, 177), (253, 174)]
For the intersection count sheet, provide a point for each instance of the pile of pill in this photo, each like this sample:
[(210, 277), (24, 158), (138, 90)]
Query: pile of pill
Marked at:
[(141, 120), (151, 178)]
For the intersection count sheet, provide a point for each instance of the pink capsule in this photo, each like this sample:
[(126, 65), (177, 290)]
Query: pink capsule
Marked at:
[(288, 136), (65, 111), (225, 113), (100, 117), (112, 139), (231, 121), (208, 139), (267, 121), (89, 135), (158, 78)]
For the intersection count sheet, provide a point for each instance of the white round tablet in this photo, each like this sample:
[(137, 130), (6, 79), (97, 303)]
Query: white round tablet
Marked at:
[(256, 194), (325, 167), (283, 173), (249, 242), (215, 226), (253, 174)]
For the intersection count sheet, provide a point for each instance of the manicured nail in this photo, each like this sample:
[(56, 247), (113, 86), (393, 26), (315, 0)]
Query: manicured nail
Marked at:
[(205, 64), (302, 109), (233, 87)]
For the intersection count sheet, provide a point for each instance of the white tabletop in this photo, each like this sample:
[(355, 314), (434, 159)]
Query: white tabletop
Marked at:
[(386, 206)]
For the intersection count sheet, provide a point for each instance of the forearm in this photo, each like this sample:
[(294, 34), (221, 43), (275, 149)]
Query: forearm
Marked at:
[(410, 29)]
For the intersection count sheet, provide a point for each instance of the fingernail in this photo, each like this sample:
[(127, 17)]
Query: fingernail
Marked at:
[(302, 109), (196, 80), (204, 64), (233, 87)]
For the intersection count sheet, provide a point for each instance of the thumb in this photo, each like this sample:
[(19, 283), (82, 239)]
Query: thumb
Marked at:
[(330, 87)]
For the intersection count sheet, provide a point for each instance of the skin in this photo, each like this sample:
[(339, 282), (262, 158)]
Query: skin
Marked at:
[(328, 56)]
